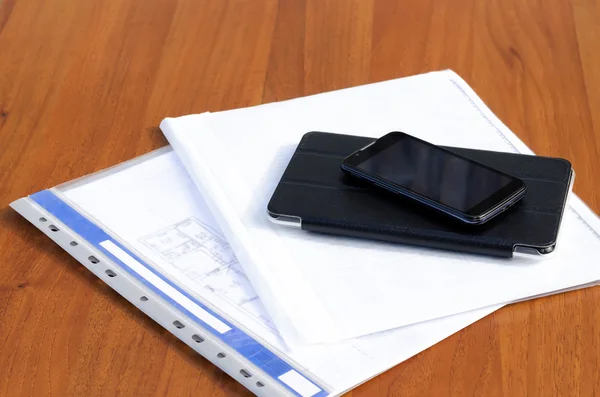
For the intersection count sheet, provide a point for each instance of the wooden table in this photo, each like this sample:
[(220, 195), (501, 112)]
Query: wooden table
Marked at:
[(84, 84)]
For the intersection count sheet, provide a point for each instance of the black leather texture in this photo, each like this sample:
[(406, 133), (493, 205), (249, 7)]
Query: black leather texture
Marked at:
[(328, 200)]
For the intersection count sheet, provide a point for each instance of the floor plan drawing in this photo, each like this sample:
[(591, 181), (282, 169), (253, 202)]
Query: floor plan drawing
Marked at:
[(204, 255)]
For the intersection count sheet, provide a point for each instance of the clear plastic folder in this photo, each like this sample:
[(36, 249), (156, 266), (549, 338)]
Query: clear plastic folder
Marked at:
[(143, 228)]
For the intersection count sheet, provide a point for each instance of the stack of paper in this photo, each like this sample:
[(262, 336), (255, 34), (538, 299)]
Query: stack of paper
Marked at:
[(326, 288), (183, 234)]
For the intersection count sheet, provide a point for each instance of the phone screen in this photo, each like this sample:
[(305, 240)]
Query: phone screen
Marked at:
[(435, 173)]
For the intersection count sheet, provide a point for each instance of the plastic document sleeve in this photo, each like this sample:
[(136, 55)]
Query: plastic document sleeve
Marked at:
[(240, 355)]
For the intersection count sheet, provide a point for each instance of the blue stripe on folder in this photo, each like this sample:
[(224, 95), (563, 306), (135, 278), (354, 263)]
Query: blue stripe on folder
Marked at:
[(237, 339)]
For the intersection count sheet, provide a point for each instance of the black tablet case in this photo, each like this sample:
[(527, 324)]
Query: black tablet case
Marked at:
[(315, 189)]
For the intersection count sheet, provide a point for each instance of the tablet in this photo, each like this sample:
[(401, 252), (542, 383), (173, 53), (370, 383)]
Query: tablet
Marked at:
[(317, 196)]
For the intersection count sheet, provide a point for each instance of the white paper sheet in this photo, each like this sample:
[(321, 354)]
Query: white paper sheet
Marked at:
[(154, 208), (319, 288)]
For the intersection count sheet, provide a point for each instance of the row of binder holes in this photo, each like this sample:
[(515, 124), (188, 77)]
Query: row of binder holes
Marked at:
[(51, 227), (244, 372), (197, 338), (72, 243), (91, 258), (178, 324)]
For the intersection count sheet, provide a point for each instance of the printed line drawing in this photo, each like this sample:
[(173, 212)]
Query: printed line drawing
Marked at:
[(188, 244)]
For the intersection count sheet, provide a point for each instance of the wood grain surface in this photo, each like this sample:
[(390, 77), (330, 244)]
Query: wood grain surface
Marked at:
[(84, 85)]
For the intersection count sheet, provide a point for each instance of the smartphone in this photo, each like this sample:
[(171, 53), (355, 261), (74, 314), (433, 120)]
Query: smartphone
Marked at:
[(435, 177)]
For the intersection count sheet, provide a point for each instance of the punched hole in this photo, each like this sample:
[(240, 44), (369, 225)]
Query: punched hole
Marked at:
[(93, 259), (197, 338), (260, 384), (143, 298), (110, 273), (42, 219), (178, 325), (53, 228), (73, 243), (221, 355), (245, 373)]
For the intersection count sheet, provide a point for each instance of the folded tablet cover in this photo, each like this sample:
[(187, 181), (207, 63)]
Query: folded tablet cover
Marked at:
[(314, 188)]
